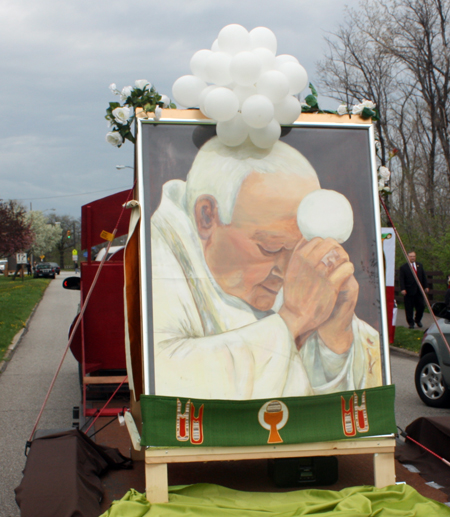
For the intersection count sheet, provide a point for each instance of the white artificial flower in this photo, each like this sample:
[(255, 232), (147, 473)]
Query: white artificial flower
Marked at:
[(385, 173), (114, 89), (158, 113), (342, 109), (357, 109), (368, 104), (121, 115), (165, 100), (114, 138), (125, 93), (142, 83)]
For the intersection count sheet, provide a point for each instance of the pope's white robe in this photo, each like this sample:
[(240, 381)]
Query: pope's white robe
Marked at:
[(208, 344)]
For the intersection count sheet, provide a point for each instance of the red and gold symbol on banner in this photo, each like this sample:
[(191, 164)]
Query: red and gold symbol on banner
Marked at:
[(348, 417), (183, 421), (273, 416), (197, 425), (354, 418), (361, 418), (189, 426)]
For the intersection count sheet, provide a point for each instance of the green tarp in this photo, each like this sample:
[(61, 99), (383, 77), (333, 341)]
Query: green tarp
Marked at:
[(204, 500), (182, 422)]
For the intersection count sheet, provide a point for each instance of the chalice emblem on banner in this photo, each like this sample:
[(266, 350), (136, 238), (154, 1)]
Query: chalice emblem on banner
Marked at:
[(273, 416)]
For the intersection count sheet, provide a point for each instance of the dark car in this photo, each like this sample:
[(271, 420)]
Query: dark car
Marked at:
[(44, 270), (432, 377), (56, 267)]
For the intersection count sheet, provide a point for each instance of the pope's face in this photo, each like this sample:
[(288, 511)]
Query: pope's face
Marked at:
[(249, 256)]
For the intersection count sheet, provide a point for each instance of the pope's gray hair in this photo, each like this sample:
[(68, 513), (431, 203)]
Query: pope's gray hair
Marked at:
[(219, 171)]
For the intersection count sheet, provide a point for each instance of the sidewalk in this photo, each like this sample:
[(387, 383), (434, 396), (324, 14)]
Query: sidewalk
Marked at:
[(26, 379), (427, 320)]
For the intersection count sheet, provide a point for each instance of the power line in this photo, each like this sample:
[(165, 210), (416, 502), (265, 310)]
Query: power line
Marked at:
[(73, 195)]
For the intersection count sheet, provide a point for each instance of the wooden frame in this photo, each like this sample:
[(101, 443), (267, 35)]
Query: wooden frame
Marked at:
[(193, 117), (156, 460)]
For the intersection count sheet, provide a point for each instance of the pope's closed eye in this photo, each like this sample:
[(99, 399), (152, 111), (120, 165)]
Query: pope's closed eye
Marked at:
[(269, 252)]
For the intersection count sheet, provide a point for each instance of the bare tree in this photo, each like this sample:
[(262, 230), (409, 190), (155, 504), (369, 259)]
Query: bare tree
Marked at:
[(397, 53)]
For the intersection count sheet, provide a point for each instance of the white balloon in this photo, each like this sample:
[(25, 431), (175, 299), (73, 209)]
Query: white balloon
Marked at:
[(267, 58), (244, 92), (274, 85), (221, 104), (186, 90), (284, 58), (217, 68), (215, 46), (288, 110), (296, 76), (325, 213), (201, 100), (266, 136), (257, 111), (263, 37), (233, 39), (245, 68), (198, 63), (232, 132)]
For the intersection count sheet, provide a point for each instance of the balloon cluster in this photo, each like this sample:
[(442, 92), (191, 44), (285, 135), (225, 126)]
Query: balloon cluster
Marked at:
[(244, 86)]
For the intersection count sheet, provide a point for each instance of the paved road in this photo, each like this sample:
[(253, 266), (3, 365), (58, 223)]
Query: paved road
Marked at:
[(24, 384), (408, 406)]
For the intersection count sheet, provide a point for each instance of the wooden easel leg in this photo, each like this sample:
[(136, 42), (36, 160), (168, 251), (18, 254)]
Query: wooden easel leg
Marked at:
[(384, 469), (156, 483)]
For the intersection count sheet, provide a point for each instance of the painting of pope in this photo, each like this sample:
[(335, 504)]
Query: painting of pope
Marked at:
[(245, 305)]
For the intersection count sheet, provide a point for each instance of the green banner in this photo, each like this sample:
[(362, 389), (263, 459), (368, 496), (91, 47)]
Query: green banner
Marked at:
[(183, 422)]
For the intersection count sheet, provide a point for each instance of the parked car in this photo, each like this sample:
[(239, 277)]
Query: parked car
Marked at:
[(3, 264), (45, 270), (432, 376), (56, 267)]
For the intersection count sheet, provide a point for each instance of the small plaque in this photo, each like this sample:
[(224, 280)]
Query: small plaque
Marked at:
[(107, 236)]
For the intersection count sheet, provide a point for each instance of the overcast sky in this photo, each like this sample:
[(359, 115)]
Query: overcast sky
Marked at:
[(59, 57)]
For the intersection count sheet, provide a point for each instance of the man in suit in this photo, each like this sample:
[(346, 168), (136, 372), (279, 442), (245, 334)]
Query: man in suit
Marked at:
[(411, 292)]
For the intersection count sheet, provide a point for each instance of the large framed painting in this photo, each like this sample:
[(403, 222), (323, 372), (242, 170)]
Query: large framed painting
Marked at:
[(239, 299)]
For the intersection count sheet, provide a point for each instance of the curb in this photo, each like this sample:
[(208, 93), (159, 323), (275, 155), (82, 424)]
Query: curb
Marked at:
[(401, 351), (18, 338)]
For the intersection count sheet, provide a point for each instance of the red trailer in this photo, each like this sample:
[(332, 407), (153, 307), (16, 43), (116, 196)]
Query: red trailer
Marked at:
[(99, 342)]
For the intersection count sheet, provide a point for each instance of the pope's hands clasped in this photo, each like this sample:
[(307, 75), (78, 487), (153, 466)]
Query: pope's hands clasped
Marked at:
[(320, 293)]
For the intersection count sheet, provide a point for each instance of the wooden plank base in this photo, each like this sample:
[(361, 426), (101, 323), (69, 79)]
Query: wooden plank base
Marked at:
[(156, 460)]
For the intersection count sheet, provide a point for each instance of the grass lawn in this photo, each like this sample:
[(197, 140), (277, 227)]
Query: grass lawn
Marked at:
[(17, 300), (408, 338)]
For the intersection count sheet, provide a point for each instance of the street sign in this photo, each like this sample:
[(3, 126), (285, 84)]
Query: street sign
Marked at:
[(74, 252), (42, 257), (75, 258), (21, 258)]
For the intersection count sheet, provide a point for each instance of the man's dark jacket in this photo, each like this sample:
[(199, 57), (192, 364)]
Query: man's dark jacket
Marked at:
[(408, 282)]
